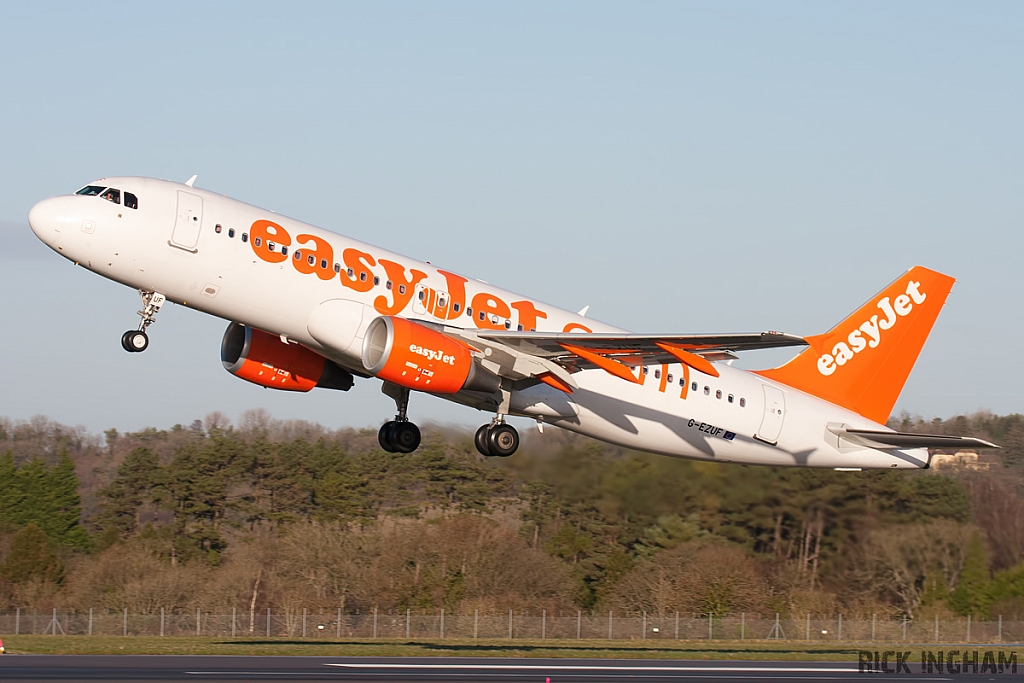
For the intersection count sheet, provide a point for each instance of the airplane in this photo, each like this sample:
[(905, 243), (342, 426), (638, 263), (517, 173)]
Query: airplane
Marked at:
[(312, 308)]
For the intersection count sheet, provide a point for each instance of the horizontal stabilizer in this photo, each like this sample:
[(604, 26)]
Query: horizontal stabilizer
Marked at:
[(875, 439)]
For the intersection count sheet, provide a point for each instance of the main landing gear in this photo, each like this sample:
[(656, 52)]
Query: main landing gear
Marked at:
[(398, 435), (497, 439), (137, 341)]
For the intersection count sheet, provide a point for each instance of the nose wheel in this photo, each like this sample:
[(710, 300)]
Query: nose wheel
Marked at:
[(134, 341), (498, 440), (137, 341)]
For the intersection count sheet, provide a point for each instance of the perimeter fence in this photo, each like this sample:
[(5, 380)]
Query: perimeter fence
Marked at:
[(512, 625)]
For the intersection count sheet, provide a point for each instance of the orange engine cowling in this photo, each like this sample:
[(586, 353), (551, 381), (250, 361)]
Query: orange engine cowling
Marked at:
[(262, 358), (415, 356)]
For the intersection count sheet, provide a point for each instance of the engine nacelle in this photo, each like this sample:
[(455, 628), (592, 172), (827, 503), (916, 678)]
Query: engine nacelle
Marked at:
[(415, 356), (262, 358)]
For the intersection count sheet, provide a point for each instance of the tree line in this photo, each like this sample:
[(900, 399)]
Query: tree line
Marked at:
[(288, 515)]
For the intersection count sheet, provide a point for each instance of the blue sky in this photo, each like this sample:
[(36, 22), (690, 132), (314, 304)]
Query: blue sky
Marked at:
[(680, 167)]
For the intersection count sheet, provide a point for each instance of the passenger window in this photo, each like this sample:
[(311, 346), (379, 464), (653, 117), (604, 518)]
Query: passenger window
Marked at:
[(131, 201), (645, 370), (351, 272), (376, 280), (217, 229), (718, 394), (270, 246), (311, 260), (657, 374), (456, 306), (337, 267), (91, 190), (669, 378), (284, 251), (245, 237), (481, 315), (231, 232), (707, 391), (469, 311), (298, 255), (743, 403), (323, 264), (730, 398), (112, 195), (693, 387), (519, 328), (401, 289), (362, 276), (508, 324), (388, 285), (258, 241), (422, 295)]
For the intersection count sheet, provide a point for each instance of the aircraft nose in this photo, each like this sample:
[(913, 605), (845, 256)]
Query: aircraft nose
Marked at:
[(45, 219)]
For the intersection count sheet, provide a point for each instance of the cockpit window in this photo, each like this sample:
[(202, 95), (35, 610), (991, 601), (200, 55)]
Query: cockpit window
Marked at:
[(112, 195), (131, 201), (91, 190)]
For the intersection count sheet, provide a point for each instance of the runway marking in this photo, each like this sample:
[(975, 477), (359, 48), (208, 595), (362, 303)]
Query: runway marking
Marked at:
[(591, 667)]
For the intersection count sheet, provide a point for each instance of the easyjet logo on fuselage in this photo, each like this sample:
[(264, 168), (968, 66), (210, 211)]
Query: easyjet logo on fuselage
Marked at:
[(869, 333), (313, 255)]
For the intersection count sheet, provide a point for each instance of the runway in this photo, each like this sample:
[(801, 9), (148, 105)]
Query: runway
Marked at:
[(74, 668)]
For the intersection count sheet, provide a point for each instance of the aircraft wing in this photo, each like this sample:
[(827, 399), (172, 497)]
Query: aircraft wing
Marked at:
[(612, 344), (553, 357)]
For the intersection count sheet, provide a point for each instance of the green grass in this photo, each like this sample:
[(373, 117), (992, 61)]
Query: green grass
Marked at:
[(615, 649)]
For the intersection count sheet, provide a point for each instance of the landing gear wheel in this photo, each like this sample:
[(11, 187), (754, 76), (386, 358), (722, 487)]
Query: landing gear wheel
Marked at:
[(405, 437), (502, 440), (134, 341), (384, 437), (480, 440), (399, 437)]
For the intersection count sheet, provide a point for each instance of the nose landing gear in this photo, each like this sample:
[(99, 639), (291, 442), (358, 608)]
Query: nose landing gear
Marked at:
[(137, 341), (398, 435)]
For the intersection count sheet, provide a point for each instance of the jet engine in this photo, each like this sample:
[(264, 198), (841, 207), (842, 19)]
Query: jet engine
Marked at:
[(415, 356), (263, 358)]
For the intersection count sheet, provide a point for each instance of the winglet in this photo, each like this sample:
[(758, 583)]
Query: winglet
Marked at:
[(191, 180)]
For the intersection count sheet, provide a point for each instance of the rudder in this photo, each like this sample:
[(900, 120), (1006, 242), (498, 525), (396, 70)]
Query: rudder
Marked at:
[(864, 361)]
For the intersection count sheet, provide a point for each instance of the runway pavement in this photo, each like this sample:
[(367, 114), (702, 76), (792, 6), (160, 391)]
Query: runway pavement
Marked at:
[(73, 668)]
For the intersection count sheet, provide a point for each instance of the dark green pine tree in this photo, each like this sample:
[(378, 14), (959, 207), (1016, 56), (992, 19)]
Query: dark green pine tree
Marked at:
[(47, 497), (11, 495), (32, 556), (33, 482), (65, 505), (971, 595), (123, 499)]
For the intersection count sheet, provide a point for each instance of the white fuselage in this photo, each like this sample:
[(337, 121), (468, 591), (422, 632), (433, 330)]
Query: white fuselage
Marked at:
[(172, 244)]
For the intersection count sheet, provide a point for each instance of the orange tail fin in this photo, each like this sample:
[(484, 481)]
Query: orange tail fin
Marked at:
[(863, 362)]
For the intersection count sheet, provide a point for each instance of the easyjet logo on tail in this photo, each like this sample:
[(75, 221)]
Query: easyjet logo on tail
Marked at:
[(869, 334), (863, 362)]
